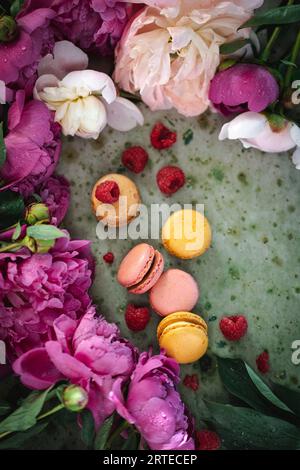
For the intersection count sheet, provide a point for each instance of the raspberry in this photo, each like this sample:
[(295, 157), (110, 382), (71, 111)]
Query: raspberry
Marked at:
[(170, 179), (207, 440), (109, 258), (108, 192), (234, 328), (161, 137), (262, 362), (135, 159), (137, 318), (192, 382)]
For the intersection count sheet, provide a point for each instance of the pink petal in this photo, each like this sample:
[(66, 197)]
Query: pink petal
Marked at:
[(66, 364), (123, 115), (66, 58)]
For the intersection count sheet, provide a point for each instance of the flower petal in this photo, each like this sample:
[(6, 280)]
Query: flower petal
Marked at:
[(296, 158), (245, 126), (66, 58), (95, 82), (123, 115)]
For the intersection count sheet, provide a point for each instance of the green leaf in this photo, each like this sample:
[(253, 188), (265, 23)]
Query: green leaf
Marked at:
[(25, 416), (132, 442), (281, 15), (244, 383), (2, 146), (188, 136), (17, 232), (288, 63), (231, 47), (11, 208), (103, 434), (88, 428), (266, 391), (15, 441), (45, 232), (4, 407), (16, 7), (244, 428), (290, 397)]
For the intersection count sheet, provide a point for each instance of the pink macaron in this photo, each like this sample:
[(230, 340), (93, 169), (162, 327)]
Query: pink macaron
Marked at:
[(140, 269), (175, 291)]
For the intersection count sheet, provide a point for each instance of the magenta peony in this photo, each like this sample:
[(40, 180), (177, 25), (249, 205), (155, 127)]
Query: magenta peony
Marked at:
[(55, 193), (185, 38), (153, 404), (33, 145), (90, 24), (243, 87), (37, 288), (89, 353), (19, 58)]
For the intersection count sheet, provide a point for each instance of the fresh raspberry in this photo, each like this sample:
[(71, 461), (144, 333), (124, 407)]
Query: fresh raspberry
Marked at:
[(137, 318), (108, 192), (135, 159), (234, 328), (192, 382), (109, 257), (207, 440), (161, 137), (262, 362), (170, 179)]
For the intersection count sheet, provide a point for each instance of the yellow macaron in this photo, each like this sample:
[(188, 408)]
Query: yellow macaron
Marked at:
[(186, 234), (183, 335)]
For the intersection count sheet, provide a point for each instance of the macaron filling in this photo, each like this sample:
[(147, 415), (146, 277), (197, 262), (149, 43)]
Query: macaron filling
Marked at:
[(147, 280)]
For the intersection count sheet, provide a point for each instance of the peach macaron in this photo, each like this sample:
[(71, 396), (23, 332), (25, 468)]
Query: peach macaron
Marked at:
[(175, 291), (141, 268), (124, 210)]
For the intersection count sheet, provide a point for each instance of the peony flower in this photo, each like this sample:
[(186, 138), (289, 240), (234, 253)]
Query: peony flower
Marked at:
[(273, 135), (35, 289), (153, 405), (91, 24), (19, 58), (32, 144), (84, 101), (88, 352), (170, 55), (243, 87), (55, 193)]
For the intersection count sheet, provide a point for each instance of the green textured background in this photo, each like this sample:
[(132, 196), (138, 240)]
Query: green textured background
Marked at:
[(252, 201)]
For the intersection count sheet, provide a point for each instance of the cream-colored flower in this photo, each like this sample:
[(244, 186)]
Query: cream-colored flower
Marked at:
[(170, 54), (84, 101)]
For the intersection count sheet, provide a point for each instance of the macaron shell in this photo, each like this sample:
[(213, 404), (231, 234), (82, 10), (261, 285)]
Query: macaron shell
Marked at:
[(175, 291), (151, 277), (186, 234), (185, 343), (116, 215), (135, 265), (178, 317)]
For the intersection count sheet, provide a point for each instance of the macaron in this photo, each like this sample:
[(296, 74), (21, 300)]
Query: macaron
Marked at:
[(124, 210), (186, 234), (140, 269), (175, 291), (183, 335)]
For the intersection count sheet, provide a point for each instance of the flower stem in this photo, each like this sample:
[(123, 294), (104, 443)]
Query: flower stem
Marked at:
[(294, 57), (12, 246), (117, 432), (45, 415), (268, 49)]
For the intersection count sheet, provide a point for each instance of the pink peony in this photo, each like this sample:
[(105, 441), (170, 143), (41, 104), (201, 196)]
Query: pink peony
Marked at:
[(37, 288), (243, 87), (19, 58), (55, 193), (33, 145), (153, 405), (91, 24), (88, 352), (170, 55)]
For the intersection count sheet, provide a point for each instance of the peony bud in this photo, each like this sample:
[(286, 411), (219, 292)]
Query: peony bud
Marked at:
[(75, 398), (8, 28), (37, 213), (43, 246)]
